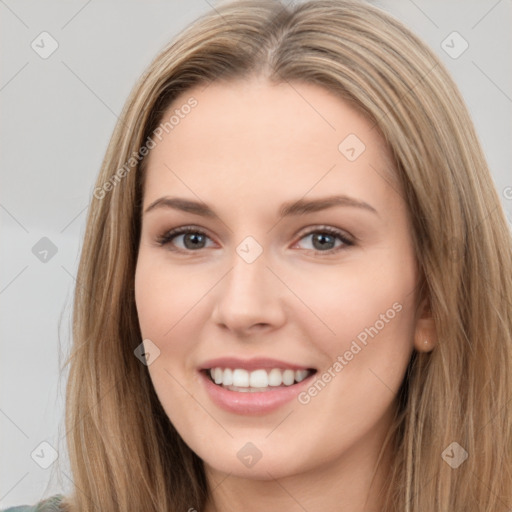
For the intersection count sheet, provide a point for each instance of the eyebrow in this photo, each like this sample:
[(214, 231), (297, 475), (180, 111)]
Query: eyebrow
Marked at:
[(291, 208)]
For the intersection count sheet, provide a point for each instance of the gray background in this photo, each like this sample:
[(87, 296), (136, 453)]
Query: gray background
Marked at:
[(58, 115)]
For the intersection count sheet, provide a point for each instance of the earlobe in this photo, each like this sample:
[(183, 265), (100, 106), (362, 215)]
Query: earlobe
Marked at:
[(427, 346), (425, 335)]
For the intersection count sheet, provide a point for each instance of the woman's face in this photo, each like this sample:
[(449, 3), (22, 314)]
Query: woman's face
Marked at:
[(327, 286)]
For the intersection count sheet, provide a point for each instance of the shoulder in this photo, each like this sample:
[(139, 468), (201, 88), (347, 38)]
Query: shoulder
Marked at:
[(51, 504)]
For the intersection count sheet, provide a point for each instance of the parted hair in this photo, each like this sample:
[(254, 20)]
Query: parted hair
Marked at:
[(124, 452)]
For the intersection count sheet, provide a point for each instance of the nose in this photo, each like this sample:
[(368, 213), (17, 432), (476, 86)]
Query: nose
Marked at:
[(250, 298)]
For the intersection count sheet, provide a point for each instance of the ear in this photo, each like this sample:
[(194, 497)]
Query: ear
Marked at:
[(425, 335)]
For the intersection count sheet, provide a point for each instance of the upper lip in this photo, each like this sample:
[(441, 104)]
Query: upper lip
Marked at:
[(250, 364)]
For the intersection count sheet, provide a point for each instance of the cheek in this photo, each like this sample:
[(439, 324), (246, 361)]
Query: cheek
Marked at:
[(164, 299), (330, 307), (165, 295), (366, 310), (366, 354)]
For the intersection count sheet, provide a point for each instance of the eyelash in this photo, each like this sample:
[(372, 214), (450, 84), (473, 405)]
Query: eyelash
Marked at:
[(168, 236)]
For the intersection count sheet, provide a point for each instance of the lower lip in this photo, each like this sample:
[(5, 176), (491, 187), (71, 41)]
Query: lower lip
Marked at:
[(252, 402)]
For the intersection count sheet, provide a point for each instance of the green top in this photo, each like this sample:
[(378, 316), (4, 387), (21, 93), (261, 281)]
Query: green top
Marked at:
[(48, 505)]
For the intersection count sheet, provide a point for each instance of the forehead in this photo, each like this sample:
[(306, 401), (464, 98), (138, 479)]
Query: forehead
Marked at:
[(253, 138)]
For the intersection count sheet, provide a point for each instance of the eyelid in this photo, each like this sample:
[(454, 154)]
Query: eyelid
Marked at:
[(347, 238), (308, 230), (167, 235)]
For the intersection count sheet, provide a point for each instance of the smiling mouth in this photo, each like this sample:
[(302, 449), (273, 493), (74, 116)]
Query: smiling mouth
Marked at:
[(261, 380)]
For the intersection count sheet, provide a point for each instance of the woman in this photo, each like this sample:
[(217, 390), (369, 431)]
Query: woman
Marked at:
[(219, 363)]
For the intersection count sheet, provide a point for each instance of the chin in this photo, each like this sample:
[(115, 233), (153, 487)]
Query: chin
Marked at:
[(250, 462)]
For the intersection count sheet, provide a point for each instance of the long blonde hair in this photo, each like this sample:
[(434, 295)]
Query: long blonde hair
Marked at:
[(124, 452)]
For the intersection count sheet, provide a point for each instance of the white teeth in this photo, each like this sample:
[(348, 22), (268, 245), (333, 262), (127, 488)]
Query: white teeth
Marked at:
[(288, 377), (260, 379), (217, 376), (240, 378), (227, 377), (275, 377), (300, 375)]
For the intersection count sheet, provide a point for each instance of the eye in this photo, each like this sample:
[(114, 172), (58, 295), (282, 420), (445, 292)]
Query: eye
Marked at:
[(194, 239), (324, 236)]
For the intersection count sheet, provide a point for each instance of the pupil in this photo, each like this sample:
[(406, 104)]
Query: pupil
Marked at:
[(322, 240), (193, 236)]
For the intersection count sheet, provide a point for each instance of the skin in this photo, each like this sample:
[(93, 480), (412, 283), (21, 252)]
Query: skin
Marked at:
[(246, 148)]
